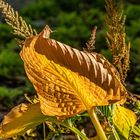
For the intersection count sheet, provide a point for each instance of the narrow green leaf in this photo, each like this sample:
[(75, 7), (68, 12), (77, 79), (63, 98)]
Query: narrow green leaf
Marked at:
[(115, 134), (136, 130)]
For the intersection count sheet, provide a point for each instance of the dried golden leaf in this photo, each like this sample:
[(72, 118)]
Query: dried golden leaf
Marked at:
[(24, 117), (124, 119), (20, 119), (69, 81)]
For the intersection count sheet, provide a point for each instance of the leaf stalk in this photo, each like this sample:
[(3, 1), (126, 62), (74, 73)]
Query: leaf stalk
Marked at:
[(97, 125)]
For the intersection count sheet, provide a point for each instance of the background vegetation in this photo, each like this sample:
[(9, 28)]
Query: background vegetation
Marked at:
[(72, 22)]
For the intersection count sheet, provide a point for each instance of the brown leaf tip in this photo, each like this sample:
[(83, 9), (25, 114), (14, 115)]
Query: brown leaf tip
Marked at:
[(46, 32)]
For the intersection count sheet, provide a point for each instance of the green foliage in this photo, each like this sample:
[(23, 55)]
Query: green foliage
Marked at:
[(8, 97), (133, 12), (133, 34), (136, 130), (12, 78), (9, 93), (10, 62), (4, 37), (72, 26)]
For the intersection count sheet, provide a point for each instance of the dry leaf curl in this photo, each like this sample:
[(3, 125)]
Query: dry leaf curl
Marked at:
[(20, 119), (69, 81)]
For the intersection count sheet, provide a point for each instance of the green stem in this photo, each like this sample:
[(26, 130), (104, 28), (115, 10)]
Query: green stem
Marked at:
[(44, 130), (97, 125)]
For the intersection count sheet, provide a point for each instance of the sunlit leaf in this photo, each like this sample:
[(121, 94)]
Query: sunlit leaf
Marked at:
[(26, 116), (124, 120), (20, 119), (69, 81)]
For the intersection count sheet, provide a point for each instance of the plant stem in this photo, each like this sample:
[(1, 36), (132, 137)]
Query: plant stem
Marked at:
[(97, 125), (44, 130)]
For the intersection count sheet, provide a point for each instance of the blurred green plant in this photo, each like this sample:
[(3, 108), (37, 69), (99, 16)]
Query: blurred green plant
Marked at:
[(4, 92), (10, 62), (68, 14)]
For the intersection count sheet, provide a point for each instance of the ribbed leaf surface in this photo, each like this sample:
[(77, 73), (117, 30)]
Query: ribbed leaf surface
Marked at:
[(69, 81), (124, 119)]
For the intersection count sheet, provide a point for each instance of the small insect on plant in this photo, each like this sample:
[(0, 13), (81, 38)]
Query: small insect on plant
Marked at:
[(69, 82)]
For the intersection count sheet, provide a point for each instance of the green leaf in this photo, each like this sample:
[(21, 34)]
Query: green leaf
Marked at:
[(106, 111), (136, 130)]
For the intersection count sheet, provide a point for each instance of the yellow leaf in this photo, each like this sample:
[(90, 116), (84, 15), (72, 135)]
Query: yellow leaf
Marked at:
[(124, 119), (69, 81), (26, 116), (20, 119)]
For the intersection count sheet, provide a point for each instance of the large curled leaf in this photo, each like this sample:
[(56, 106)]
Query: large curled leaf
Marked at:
[(20, 119), (69, 81), (124, 119)]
